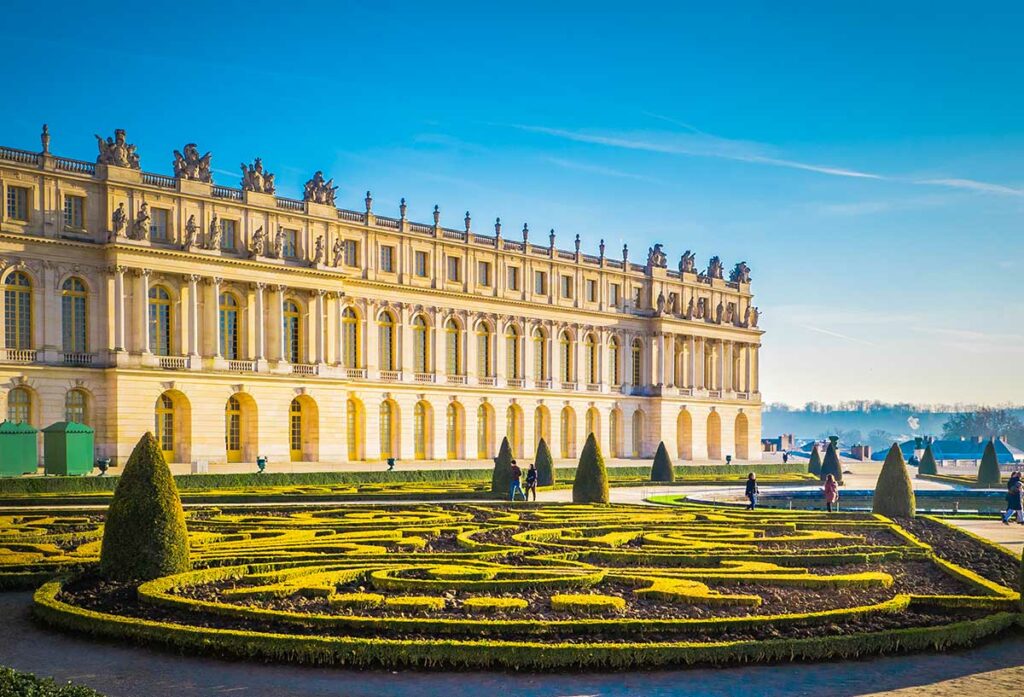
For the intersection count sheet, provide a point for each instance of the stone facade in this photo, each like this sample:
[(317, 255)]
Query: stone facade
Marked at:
[(239, 323)]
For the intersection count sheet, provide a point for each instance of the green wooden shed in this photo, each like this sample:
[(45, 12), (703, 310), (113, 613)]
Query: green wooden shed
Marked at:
[(19, 450), (68, 448)]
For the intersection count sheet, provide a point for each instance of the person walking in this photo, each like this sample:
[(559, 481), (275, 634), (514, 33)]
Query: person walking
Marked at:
[(831, 493), (785, 456), (531, 481), (752, 491), (515, 486), (1013, 501)]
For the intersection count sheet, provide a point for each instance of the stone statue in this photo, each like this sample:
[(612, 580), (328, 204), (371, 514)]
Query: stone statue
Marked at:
[(740, 273), (279, 242), (255, 179), (719, 313), (142, 222), (661, 303), (118, 221), (191, 232), (690, 309), (319, 190), (337, 252), (318, 250), (600, 249), (116, 151), (44, 139), (755, 315), (702, 308), (213, 235), (688, 262), (730, 313), (656, 258), (258, 246), (189, 165), (715, 268)]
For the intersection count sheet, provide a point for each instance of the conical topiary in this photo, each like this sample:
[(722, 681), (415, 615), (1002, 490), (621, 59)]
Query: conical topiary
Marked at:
[(591, 484), (988, 470), (928, 464), (144, 536), (501, 477), (894, 494), (545, 465), (814, 464), (661, 470), (830, 465)]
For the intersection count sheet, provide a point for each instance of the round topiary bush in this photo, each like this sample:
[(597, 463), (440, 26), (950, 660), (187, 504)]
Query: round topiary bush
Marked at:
[(545, 465), (501, 477), (830, 465), (928, 464), (988, 470), (591, 484), (661, 470), (894, 494), (144, 536), (814, 464)]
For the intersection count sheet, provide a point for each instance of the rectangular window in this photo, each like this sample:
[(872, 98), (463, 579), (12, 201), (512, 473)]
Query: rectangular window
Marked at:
[(229, 235), (454, 269), (513, 278), (421, 264), (159, 230), (637, 296), (483, 273), (74, 212), (17, 203), (351, 253), (540, 283), (591, 290), (566, 286), (290, 248), (613, 294), (387, 259)]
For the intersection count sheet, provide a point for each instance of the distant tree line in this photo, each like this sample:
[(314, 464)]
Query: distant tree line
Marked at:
[(987, 423)]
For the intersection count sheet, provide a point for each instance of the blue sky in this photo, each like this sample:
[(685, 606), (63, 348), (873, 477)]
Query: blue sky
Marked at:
[(866, 159)]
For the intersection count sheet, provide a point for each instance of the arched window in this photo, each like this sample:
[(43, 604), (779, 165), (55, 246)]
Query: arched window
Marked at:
[(233, 430), (160, 321), (386, 328), (568, 432), (73, 317), (542, 425), (350, 339), (452, 348), (165, 425), (292, 336), (387, 430), (420, 345), (19, 406), (453, 427), (354, 417), (566, 350), (18, 311), (513, 430), (229, 326), (484, 364), (638, 433), (421, 430), (637, 362), (593, 423), (74, 407), (614, 433), (484, 431), (540, 355), (590, 355), (513, 357), (614, 358), (295, 431)]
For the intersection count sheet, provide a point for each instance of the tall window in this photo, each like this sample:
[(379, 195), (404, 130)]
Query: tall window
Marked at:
[(73, 315), (420, 264), (484, 429), (229, 326), (454, 269), (637, 362), (19, 406), (18, 311), (453, 346), (229, 235), (512, 429), (540, 283), (386, 335), (351, 253), (233, 430), (568, 432), (292, 336), (513, 278), (350, 338), (615, 428), (386, 430), (483, 273), (420, 430), (387, 259), (290, 247), (452, 428), (74, 212), (159, 228), (74, 407), (420, 345), (638, 433), (540, 355), (355, 429), (160, 321), (484, 365), (17, 203), (566, 348), (165, 425), (513, 358), (590, 358), (614, 357), (295, 430), (614, 294), (591, 290)]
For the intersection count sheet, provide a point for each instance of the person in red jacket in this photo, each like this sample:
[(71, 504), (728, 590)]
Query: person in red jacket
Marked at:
[(831, 492)]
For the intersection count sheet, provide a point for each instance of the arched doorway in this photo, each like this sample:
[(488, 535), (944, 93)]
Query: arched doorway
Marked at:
[(541, 426), (568, 424), (173, 426), (684, 435), (638, 433), (485, 431), (389, 425), (355, 423), (423, 437), (241, 441), (593, 423), (514, 429), (714, 436), (615, 432), (303, 430), (454, 426), (741, 437)]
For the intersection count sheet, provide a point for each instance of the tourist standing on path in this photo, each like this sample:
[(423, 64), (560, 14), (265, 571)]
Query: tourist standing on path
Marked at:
[(515, 486), (752, 491), (831, 492), (785, 456), (531, 481), (1013, 500)]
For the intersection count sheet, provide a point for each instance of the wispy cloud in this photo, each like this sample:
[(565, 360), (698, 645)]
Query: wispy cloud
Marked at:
[(597, 169), (973, 185), (837, 335)]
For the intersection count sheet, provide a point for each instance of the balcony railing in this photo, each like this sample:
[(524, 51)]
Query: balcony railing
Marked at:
[(291, 204), (242, 366), (159, 180), (456, 379), (355, 373), (742, 395), (423, 377), (570, 386), (77, 358), (715, 394), (593, 387), (173, 362), (543, 384), (390, 375), (488, 380), (305, 369), (517, 382), (18, 355)]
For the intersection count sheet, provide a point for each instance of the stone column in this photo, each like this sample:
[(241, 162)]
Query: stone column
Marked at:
[(500, 353), (469, 354), (193, 317), (275, 337), (700, 361), (317, 355), (720, 365), (119, 314), (658, 359), (259, 348), (339, 329), (440, 353), (142, 310), (213, 316), (48, 292), (757, 369)]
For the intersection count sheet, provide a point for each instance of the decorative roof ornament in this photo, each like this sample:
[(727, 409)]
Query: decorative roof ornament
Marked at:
[(688, 262), (740, 273), (625, 254), (189, 165), (117, 151), (320, 190), (402, 208), (715, 268), (44, 138), (577, 243), (468, 220), (254, 178), (526, 233), (600, 248), (656, 257), (551, 238), (369, 202), (437, 215)]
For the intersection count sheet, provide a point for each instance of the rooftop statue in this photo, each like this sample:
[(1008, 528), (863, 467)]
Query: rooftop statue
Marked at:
[(691, 310), (702, 308), (740, 273), (189, 165), (715, 268), (118, 220), (688, 262), (319, 190), (214, 233), (116, 151), (191, 233), (142, 222), (319, 250), (337, 251), (255, 179), (258, 246), (656, 258), (755, 315)]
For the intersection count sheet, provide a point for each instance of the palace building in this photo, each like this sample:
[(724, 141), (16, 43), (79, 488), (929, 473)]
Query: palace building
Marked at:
[(234, 322)]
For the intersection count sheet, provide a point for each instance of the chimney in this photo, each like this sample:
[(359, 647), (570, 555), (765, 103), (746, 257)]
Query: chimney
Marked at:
[(976, 439)]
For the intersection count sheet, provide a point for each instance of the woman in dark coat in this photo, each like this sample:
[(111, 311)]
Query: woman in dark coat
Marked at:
[(752, 490)]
